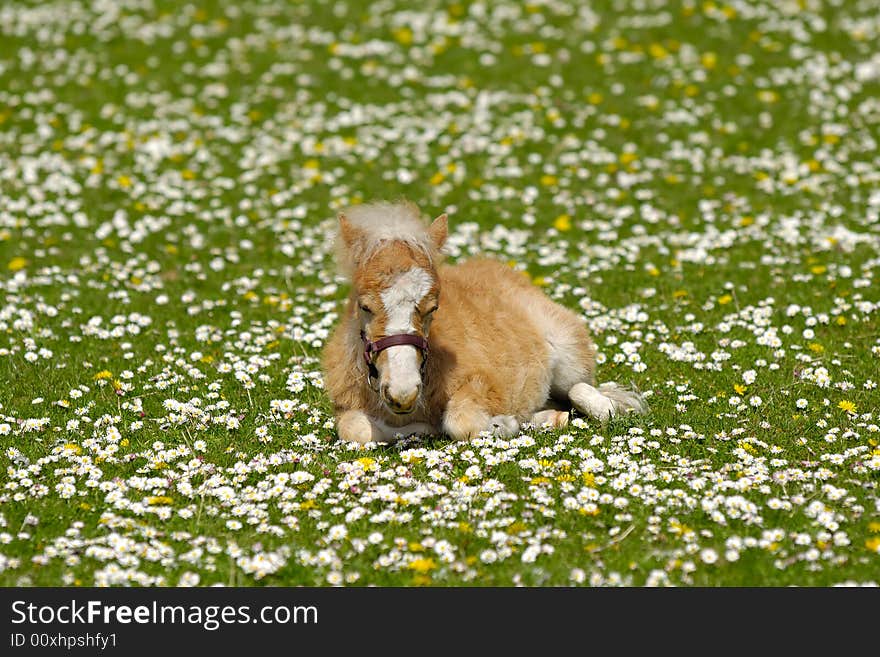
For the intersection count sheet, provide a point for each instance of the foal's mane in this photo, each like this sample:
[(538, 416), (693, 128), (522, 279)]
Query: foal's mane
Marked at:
[(365, 228)]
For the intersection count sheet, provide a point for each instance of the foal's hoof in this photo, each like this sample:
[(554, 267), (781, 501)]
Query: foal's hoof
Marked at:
[(590, 401), (550, 419), (504, 426)]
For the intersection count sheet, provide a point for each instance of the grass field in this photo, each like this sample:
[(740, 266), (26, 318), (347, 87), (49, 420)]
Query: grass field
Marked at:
[(701, 180)]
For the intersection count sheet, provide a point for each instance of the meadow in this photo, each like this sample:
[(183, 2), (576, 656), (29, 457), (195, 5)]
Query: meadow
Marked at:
[(699, 179)]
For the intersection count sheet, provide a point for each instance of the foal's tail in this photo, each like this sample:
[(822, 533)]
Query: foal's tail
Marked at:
[(607, 401)]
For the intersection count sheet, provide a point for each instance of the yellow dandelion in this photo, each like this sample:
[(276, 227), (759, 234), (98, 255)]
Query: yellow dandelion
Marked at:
[(403, 36), (847, 406), (422, 566), (657, 51), (17, 263), (562, 223), (679, 528)]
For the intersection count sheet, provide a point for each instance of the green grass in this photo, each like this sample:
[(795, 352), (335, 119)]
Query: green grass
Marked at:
[(699, 180)]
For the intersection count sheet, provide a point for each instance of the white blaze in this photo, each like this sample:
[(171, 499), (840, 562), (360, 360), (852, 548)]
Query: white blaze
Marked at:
[(400, 301)]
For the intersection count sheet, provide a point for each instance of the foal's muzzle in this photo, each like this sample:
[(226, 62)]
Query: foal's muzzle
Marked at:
[(400, 405), (372, 349)]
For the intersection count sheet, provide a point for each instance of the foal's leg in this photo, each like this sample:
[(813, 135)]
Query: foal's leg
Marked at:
[(573, 365), (607, 401), (503, 426), (465, 417), (550, 418), (358, 427), (589, 401)]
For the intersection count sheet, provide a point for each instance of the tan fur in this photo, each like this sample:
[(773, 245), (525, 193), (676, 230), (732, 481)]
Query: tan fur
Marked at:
[(500, 350)]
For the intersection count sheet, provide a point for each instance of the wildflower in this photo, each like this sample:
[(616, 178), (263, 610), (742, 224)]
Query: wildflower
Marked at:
[(562, 223), (847, 406), (422, 566)]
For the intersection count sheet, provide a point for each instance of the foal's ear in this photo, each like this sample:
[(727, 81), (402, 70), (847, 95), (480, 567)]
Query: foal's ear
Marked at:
[(438, 230), (349, 233)]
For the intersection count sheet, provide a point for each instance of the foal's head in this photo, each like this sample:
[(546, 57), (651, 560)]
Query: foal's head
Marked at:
[(392, 256)]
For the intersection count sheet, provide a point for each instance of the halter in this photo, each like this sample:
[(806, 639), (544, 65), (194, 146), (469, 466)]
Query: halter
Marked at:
[(374, 348)]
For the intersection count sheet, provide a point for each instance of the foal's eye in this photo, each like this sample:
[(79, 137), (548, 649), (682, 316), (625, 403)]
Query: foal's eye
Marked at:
[(430, 312), (366, 309)]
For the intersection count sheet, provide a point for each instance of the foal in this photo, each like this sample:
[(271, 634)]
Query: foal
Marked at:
[(426, 348)]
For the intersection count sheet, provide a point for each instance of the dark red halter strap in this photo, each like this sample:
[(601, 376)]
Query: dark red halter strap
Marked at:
[(372, 349)]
